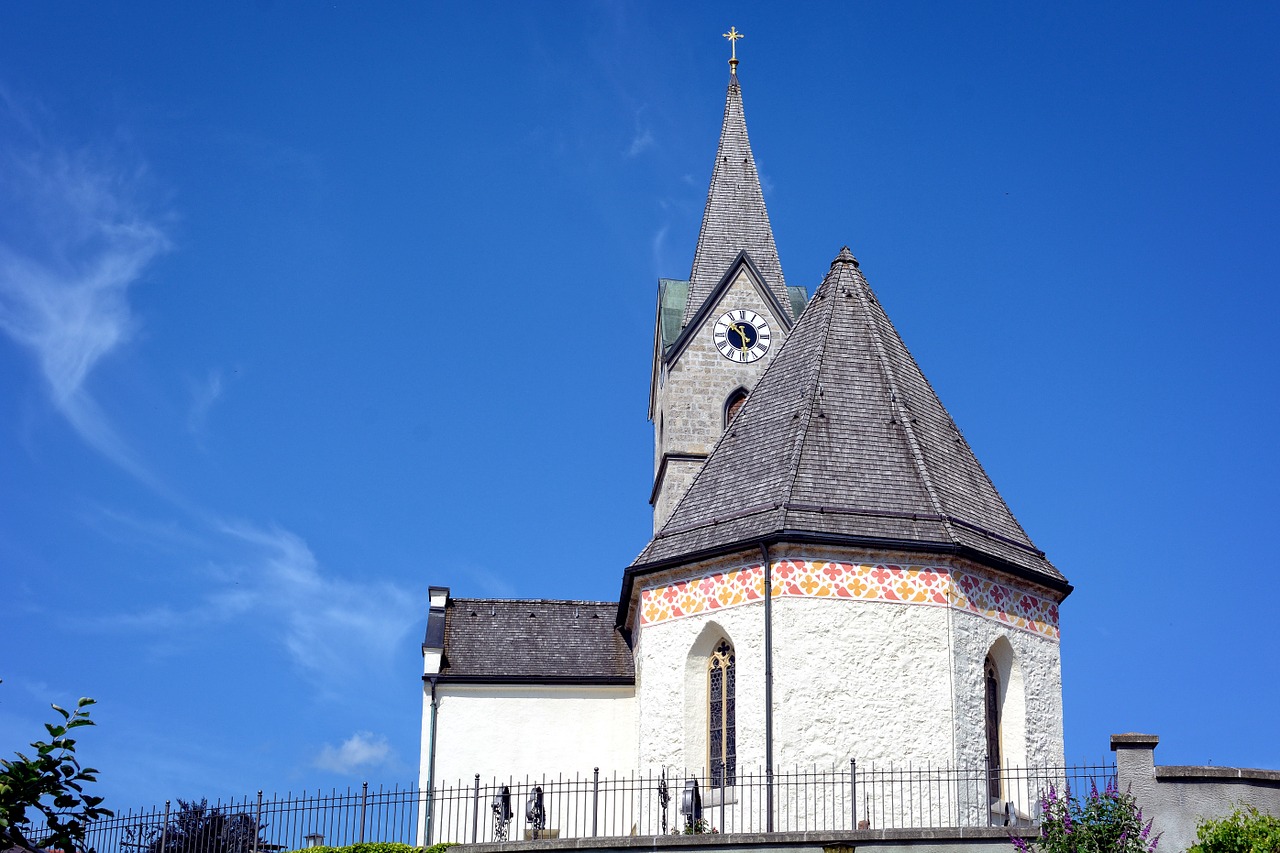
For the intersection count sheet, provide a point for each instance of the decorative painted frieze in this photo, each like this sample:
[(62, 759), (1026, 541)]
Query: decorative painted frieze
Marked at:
[(929, 586)]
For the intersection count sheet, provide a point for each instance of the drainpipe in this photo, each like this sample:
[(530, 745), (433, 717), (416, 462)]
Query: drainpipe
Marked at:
[(431, 760), (768, 686)]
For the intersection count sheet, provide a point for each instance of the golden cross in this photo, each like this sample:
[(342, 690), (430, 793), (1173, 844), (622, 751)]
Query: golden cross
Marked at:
[(733, 35)]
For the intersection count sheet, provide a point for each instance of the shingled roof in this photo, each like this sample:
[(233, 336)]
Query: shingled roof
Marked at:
[(735, 219), (502, 640), (843, 439)]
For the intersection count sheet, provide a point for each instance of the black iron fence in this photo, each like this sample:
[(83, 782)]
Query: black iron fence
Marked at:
[(848, 797)]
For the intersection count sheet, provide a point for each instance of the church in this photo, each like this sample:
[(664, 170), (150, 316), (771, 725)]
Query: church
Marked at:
[(832, 574)]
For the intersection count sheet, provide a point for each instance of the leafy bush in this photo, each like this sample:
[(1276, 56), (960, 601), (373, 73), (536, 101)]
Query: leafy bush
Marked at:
[(1245, 830), (1104, 822)]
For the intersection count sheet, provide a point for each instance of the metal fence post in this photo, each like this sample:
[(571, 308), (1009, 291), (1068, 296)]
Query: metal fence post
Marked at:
[(853, 790), (595, 803), (257, 822), (364, 803), (475, 815), (768, 799), (164, 830)]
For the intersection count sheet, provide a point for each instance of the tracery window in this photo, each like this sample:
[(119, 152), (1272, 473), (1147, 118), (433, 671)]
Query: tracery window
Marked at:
[(722, 753), (991, 690)]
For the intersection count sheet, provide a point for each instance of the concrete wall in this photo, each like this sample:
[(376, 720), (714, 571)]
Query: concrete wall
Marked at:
[(863, 841), (1178, 798)]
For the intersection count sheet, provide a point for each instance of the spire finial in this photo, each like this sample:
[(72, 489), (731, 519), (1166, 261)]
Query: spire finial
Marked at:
[(733, 35)]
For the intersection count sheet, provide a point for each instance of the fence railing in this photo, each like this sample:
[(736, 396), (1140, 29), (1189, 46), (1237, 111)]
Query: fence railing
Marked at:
[(848, 797)]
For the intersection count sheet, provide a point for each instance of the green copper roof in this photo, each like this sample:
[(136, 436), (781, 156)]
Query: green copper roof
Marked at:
[(672, 296), (799, 296)]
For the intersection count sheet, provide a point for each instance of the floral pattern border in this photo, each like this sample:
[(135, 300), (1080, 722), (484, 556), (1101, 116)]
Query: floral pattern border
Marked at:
[(934, 586)]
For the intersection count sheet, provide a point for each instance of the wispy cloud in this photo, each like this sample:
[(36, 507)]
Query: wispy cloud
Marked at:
[(330, 625), (73, 243), (204, 394), (332, 629), (641, 142), (361, 750)]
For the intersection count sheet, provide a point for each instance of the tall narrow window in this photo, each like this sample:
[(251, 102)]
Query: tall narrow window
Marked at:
[(721, 716), (732, 404), (991, 689)]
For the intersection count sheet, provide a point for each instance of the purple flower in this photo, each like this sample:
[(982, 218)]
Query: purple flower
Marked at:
[(1021, 845)]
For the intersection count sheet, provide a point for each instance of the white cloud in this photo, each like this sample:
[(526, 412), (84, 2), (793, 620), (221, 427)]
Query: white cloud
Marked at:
[(72, 244), (362, 749), (203, 395), (641, 142)]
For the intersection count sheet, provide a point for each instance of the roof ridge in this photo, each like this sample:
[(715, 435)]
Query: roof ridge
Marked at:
[(899, 406), (816, 375)]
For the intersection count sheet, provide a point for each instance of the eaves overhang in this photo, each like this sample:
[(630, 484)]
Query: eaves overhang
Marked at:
[(550, 680), (806, 537)]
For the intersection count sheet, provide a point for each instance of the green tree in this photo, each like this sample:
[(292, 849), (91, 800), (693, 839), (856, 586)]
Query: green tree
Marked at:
[(49, 783), (1245, 830)]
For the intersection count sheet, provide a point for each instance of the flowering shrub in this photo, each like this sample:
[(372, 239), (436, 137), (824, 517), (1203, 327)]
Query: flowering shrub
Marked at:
[(1106, 821)]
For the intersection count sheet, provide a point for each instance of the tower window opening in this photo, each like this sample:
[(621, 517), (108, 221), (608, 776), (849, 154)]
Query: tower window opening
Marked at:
[(732, 404)]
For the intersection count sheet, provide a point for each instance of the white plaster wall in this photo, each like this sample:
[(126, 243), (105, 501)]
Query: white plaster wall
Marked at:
[(671, 736), (860, 679), (536, 731), (1039, 661)]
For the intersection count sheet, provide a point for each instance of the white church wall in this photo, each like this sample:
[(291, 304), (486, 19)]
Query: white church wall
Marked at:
[(537, 731), (864, 680), (1031, 693), (671, 702)]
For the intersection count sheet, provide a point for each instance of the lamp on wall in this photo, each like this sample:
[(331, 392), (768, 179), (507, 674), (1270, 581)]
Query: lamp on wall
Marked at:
[(691, 804), (314, 840)]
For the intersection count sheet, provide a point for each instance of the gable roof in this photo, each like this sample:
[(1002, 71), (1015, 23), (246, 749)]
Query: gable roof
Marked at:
[(514, 641), (735, 219), (782, 311), (844, 440)]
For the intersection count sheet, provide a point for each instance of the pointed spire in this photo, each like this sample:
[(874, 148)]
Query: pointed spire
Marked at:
[(735, 218), (844, 438)]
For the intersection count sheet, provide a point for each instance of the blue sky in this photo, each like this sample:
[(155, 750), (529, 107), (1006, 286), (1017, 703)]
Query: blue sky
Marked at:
[(304, 307)]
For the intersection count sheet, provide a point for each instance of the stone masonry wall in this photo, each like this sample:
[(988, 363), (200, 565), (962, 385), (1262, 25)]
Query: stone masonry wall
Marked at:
[(689, 415)]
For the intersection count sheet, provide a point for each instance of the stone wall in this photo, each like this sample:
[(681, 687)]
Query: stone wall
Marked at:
[(1178, 798), (690, 398)]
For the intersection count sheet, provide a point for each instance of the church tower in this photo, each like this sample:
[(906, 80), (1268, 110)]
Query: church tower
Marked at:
[(715, 333)]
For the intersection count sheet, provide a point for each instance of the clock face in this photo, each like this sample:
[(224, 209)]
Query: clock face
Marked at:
[(742, 335)]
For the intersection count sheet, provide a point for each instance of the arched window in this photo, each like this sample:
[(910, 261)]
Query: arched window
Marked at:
[(732, 403), (722, 753), (991, 689)]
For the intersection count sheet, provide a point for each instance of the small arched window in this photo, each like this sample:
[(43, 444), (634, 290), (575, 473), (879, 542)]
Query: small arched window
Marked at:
[(991, 700), (732, 403), (722, 753)]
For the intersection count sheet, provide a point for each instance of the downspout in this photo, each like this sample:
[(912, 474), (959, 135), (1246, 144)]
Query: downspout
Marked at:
[(431, 760), (768, 686)]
